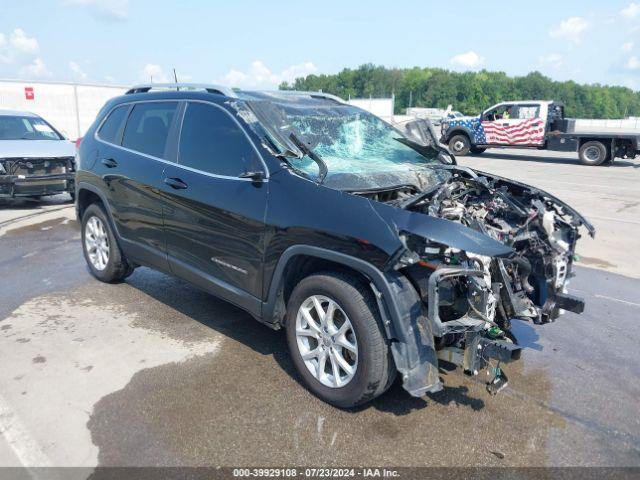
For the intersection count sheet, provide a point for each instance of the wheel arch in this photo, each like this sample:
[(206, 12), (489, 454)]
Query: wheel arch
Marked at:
[(400, 307), (300, 261), (459, 130), (603, 140), (88, 194)]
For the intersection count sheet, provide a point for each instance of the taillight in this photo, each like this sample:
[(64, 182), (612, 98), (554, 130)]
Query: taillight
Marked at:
[(78, 142)]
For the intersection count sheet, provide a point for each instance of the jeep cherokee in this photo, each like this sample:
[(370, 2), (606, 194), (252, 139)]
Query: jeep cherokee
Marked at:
[(366, 243)]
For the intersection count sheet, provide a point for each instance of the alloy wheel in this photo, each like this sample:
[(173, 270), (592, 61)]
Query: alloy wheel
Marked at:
[(96, 242), (326, 341)]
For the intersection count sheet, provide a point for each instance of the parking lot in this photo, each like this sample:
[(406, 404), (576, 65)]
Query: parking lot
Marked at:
[(156, 372)]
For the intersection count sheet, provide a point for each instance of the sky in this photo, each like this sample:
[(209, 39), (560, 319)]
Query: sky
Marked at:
[(258, 44)]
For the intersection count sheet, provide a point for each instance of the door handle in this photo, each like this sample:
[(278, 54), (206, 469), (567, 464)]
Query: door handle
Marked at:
[(175, 183), (109, 162), (505, 124)]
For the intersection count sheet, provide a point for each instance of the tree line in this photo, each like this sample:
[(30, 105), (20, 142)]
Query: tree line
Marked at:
[(470, 92)]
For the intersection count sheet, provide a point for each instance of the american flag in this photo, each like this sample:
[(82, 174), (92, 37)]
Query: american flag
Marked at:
[(472, 125), (522, 132), (503, 132)]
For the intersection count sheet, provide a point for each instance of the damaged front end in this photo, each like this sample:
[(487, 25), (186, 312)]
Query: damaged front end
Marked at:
[(468, 252), (481, 251), (35, 176)]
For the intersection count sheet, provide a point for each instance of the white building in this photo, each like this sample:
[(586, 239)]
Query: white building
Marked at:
[(381, 107), (69, 107)]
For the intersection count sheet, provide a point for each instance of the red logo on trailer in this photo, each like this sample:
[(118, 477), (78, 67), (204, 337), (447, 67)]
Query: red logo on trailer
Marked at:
[(28, 93)]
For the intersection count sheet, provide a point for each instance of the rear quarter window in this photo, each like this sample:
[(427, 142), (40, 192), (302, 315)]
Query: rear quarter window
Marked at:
[(526, 112), (111, 129), (147, 128)]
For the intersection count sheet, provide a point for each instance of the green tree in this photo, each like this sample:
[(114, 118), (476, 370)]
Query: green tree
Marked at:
[(470, 92)]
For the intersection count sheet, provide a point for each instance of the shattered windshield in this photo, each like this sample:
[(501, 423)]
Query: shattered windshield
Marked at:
[(349, 140)]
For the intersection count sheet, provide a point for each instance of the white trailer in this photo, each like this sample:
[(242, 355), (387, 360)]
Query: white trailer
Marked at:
[(69, 107), (380, 107)]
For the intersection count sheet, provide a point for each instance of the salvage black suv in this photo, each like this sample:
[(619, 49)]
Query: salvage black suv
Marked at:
[(375, 252)]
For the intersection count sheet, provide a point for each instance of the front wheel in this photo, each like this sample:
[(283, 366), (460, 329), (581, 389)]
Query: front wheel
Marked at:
[(459, 145), (593, 153), (336, 340)]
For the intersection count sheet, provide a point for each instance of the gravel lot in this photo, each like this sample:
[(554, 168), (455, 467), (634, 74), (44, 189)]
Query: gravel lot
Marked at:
[(156, 372)]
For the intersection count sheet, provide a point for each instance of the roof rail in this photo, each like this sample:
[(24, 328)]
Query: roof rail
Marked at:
[(186, 86), (328, 96)]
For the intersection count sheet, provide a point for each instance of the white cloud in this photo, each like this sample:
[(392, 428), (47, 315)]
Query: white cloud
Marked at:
[(469, 59), (627, 47), (16, 46), (18, 50), (155, 72), (261, 76), (296, 71), (570, 29), (631, 11), (78, 73), (112, 10), (21, 42), (554, 60), (633, 63), (36, 69), (5, 54)]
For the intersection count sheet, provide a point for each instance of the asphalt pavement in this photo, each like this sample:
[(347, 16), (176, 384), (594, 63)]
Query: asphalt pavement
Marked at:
[(155, 372)]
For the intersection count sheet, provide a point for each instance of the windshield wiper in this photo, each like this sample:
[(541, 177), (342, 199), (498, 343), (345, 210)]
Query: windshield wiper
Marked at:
[(304, 148)]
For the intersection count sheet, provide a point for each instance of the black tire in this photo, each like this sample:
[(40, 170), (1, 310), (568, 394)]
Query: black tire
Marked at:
[(117, 268), (477, 150), (593, 153), (459, 145), (72, 194), (375, 369)]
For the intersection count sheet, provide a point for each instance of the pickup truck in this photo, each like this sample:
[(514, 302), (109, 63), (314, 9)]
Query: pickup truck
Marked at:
[(540, 125)]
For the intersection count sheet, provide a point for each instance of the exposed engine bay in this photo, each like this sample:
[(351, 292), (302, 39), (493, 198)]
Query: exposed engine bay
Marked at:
[(471, 299)]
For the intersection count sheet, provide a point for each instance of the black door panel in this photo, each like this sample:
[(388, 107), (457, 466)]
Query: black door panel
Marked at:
[(216, 226), (213, 219), (133, 178)]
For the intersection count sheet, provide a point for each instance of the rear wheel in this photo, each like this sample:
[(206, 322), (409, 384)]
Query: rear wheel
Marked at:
[(336, 340), (101, 250), (459, 145), (592, 153)]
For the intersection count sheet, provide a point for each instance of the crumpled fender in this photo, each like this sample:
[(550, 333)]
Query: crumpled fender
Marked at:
[(415, 355)]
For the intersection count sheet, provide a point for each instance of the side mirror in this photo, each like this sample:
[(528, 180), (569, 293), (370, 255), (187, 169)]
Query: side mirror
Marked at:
[(447, 158), (256, 176)]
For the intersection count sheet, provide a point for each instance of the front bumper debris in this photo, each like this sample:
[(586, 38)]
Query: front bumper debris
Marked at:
[(28, 185)]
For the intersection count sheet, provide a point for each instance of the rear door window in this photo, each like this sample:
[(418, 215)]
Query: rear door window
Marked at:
[(210, 141), (111, 129), (148, 127), (525, 112)]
